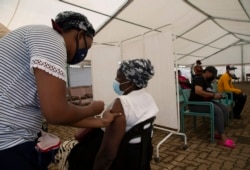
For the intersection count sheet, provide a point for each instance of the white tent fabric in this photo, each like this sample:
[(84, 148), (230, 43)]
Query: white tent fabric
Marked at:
[(3, 30), (105, 61), (162, 86), (214, 31)]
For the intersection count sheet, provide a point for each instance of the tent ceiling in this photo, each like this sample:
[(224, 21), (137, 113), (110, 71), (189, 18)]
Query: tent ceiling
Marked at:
[(201, 28)]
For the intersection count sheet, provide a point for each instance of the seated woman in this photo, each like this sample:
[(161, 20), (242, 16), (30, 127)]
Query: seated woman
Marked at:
[(183, 81), (100, 150), (134, 102)]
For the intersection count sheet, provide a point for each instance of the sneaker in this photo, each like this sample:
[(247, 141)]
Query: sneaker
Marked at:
[(227, 143)]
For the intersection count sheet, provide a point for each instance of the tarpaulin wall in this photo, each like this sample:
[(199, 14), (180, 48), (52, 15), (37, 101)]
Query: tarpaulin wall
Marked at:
[(105, 61), (159, 49)]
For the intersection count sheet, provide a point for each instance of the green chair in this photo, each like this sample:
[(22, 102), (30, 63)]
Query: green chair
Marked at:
[(186, 112), (227, 100)]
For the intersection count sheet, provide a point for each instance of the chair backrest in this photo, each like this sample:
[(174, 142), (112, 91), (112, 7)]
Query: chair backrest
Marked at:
[(82, 155), (144, 131), (77, 91), (181, 98), (214, 86), (186, 94), (247, 76), (89, 91)]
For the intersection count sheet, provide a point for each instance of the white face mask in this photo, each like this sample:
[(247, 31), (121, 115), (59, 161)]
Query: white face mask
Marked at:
[(232, 72)]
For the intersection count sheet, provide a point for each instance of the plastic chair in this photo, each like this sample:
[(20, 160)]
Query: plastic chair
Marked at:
[(248, 77), (186, 112), (227, 100), (144, 131), (78, 96), (83, 154)]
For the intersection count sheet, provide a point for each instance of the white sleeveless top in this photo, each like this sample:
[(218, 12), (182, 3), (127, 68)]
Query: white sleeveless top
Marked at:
[(138, 106)]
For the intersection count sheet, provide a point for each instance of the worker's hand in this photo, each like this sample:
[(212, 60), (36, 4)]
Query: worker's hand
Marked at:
[(108, 117)]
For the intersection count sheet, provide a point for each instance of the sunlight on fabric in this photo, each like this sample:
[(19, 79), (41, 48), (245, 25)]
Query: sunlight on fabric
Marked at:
[(108, 7), (13, 11), (246, 6), (103, 11), (232, 9)]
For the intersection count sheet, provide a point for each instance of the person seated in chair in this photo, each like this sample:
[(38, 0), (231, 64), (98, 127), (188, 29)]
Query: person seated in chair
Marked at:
[(225, 85), (196, 70), (183, 81), (202, 91), (135, 104)]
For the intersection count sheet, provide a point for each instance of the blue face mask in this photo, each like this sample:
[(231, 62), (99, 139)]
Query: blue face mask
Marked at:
[(80, 53), (116, 87)]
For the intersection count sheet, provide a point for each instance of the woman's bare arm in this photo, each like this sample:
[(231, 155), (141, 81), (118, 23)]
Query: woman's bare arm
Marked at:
[(112, 138), (53, 102), (93, 122)]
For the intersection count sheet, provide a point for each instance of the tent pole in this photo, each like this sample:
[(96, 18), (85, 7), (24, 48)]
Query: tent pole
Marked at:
[(242, 65), (68, 75)]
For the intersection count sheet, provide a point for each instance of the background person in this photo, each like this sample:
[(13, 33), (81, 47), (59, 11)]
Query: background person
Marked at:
[(202, 91), (196, 70), (183, 81), (225, 85), (33, 85)]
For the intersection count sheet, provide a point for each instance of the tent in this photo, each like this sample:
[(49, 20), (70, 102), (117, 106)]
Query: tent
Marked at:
[(217, 32), (214, 31), (173, 33)]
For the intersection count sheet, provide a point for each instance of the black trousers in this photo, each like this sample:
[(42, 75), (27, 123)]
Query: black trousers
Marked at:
[(25, 157), (240, 100)]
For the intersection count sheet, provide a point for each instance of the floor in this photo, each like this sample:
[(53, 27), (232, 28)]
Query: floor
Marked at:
[(200, 154)]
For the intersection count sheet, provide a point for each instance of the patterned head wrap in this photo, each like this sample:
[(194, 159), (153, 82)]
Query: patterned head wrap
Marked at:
[(69, 19), (139, 71)]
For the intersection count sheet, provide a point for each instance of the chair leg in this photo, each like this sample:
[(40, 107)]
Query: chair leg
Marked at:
[(194, 122), (231, 114), (212, 129), (232, 111), (182, 123)]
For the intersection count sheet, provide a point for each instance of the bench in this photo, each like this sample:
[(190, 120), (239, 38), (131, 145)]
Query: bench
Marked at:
[(80, 95), (248, 77), (235, 79)]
